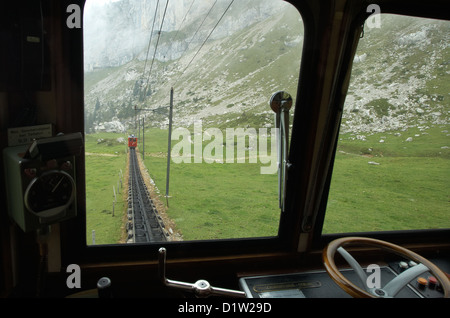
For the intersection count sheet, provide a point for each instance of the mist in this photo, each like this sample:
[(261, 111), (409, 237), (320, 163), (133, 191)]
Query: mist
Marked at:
[(116, 32)]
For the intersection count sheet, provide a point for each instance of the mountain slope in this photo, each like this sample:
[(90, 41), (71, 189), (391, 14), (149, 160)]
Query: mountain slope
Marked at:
[(231, 74), (400, 77)]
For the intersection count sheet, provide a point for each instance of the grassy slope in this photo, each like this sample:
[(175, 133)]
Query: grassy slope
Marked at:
[(209, 201), (406, 189), (104, 161)]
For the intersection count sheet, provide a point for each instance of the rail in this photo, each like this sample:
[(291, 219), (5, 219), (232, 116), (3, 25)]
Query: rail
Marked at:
[(144, 223)]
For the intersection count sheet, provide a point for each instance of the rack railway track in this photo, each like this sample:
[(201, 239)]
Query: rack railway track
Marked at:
[(144, 223)]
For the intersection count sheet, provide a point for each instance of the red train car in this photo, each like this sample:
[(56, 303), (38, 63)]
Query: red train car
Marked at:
[(132, 141)]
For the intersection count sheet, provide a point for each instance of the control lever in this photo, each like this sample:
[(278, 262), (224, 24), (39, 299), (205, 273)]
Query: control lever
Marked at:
[(201, 288)]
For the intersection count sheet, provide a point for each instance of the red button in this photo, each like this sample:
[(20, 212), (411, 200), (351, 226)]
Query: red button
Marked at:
[(432, 281)]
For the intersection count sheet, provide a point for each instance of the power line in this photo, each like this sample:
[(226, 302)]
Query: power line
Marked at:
[(196, 31), (198, 28), (150, 40), (205, 40), (181, 24), (156, 47)]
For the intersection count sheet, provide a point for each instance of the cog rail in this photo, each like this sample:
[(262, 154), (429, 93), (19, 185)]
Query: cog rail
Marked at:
[(144, 222)]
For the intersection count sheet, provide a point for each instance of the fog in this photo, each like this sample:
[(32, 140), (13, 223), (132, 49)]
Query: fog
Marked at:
[(117, 31)]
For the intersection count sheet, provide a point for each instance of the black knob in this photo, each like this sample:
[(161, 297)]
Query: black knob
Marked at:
[(104, 288)]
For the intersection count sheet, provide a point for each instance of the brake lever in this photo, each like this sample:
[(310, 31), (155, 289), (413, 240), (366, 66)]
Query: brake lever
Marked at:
[(201, 288)]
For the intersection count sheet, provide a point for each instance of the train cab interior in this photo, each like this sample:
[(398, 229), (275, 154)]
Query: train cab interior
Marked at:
[(42, 92)]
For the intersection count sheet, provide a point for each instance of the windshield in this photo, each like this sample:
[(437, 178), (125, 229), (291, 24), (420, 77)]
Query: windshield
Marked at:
[(185, 86)]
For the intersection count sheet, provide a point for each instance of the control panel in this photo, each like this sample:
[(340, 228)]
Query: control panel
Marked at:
[(318, 284), (426, 285), (40, 181)]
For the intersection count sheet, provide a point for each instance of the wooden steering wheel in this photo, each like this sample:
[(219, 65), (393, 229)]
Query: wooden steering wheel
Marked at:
[(391, 288)]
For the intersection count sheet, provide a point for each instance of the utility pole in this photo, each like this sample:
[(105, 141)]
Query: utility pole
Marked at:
[(138, 121)]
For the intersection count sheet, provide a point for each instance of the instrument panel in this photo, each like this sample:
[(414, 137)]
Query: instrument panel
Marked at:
[(40, 181), (318, 284)]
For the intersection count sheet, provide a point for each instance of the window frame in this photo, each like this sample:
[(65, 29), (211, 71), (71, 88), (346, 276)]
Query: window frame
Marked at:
[(415, 236), (78, 249), (291, 234)]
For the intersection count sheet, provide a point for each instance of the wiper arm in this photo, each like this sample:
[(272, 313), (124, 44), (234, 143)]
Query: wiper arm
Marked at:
[(281, 103)]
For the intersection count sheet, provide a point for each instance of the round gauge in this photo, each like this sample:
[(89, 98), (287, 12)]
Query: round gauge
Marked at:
[(51, 192)]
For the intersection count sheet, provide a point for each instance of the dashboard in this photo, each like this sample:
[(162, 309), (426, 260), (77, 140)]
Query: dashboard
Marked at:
[(318, 284)]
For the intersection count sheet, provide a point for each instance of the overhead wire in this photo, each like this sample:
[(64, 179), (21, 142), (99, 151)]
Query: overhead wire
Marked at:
[(179, 28), (195, 55), (156, 47), (150, 40), (171, 98), (201, 46), (199, 27)]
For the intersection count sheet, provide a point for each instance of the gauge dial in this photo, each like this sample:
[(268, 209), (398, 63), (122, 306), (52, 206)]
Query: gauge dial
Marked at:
[(52, 191)]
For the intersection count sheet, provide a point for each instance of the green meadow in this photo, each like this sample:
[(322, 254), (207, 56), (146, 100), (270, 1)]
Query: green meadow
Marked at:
[(387, 183), (376, 186), (214, 200), (105, 159)]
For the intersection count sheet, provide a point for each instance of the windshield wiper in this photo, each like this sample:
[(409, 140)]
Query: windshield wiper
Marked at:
[(281, 103)]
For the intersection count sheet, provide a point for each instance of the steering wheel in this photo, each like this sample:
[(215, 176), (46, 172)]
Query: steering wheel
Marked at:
[(394, 286)]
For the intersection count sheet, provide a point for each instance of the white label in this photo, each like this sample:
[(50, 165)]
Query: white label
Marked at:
[(25, 135)]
